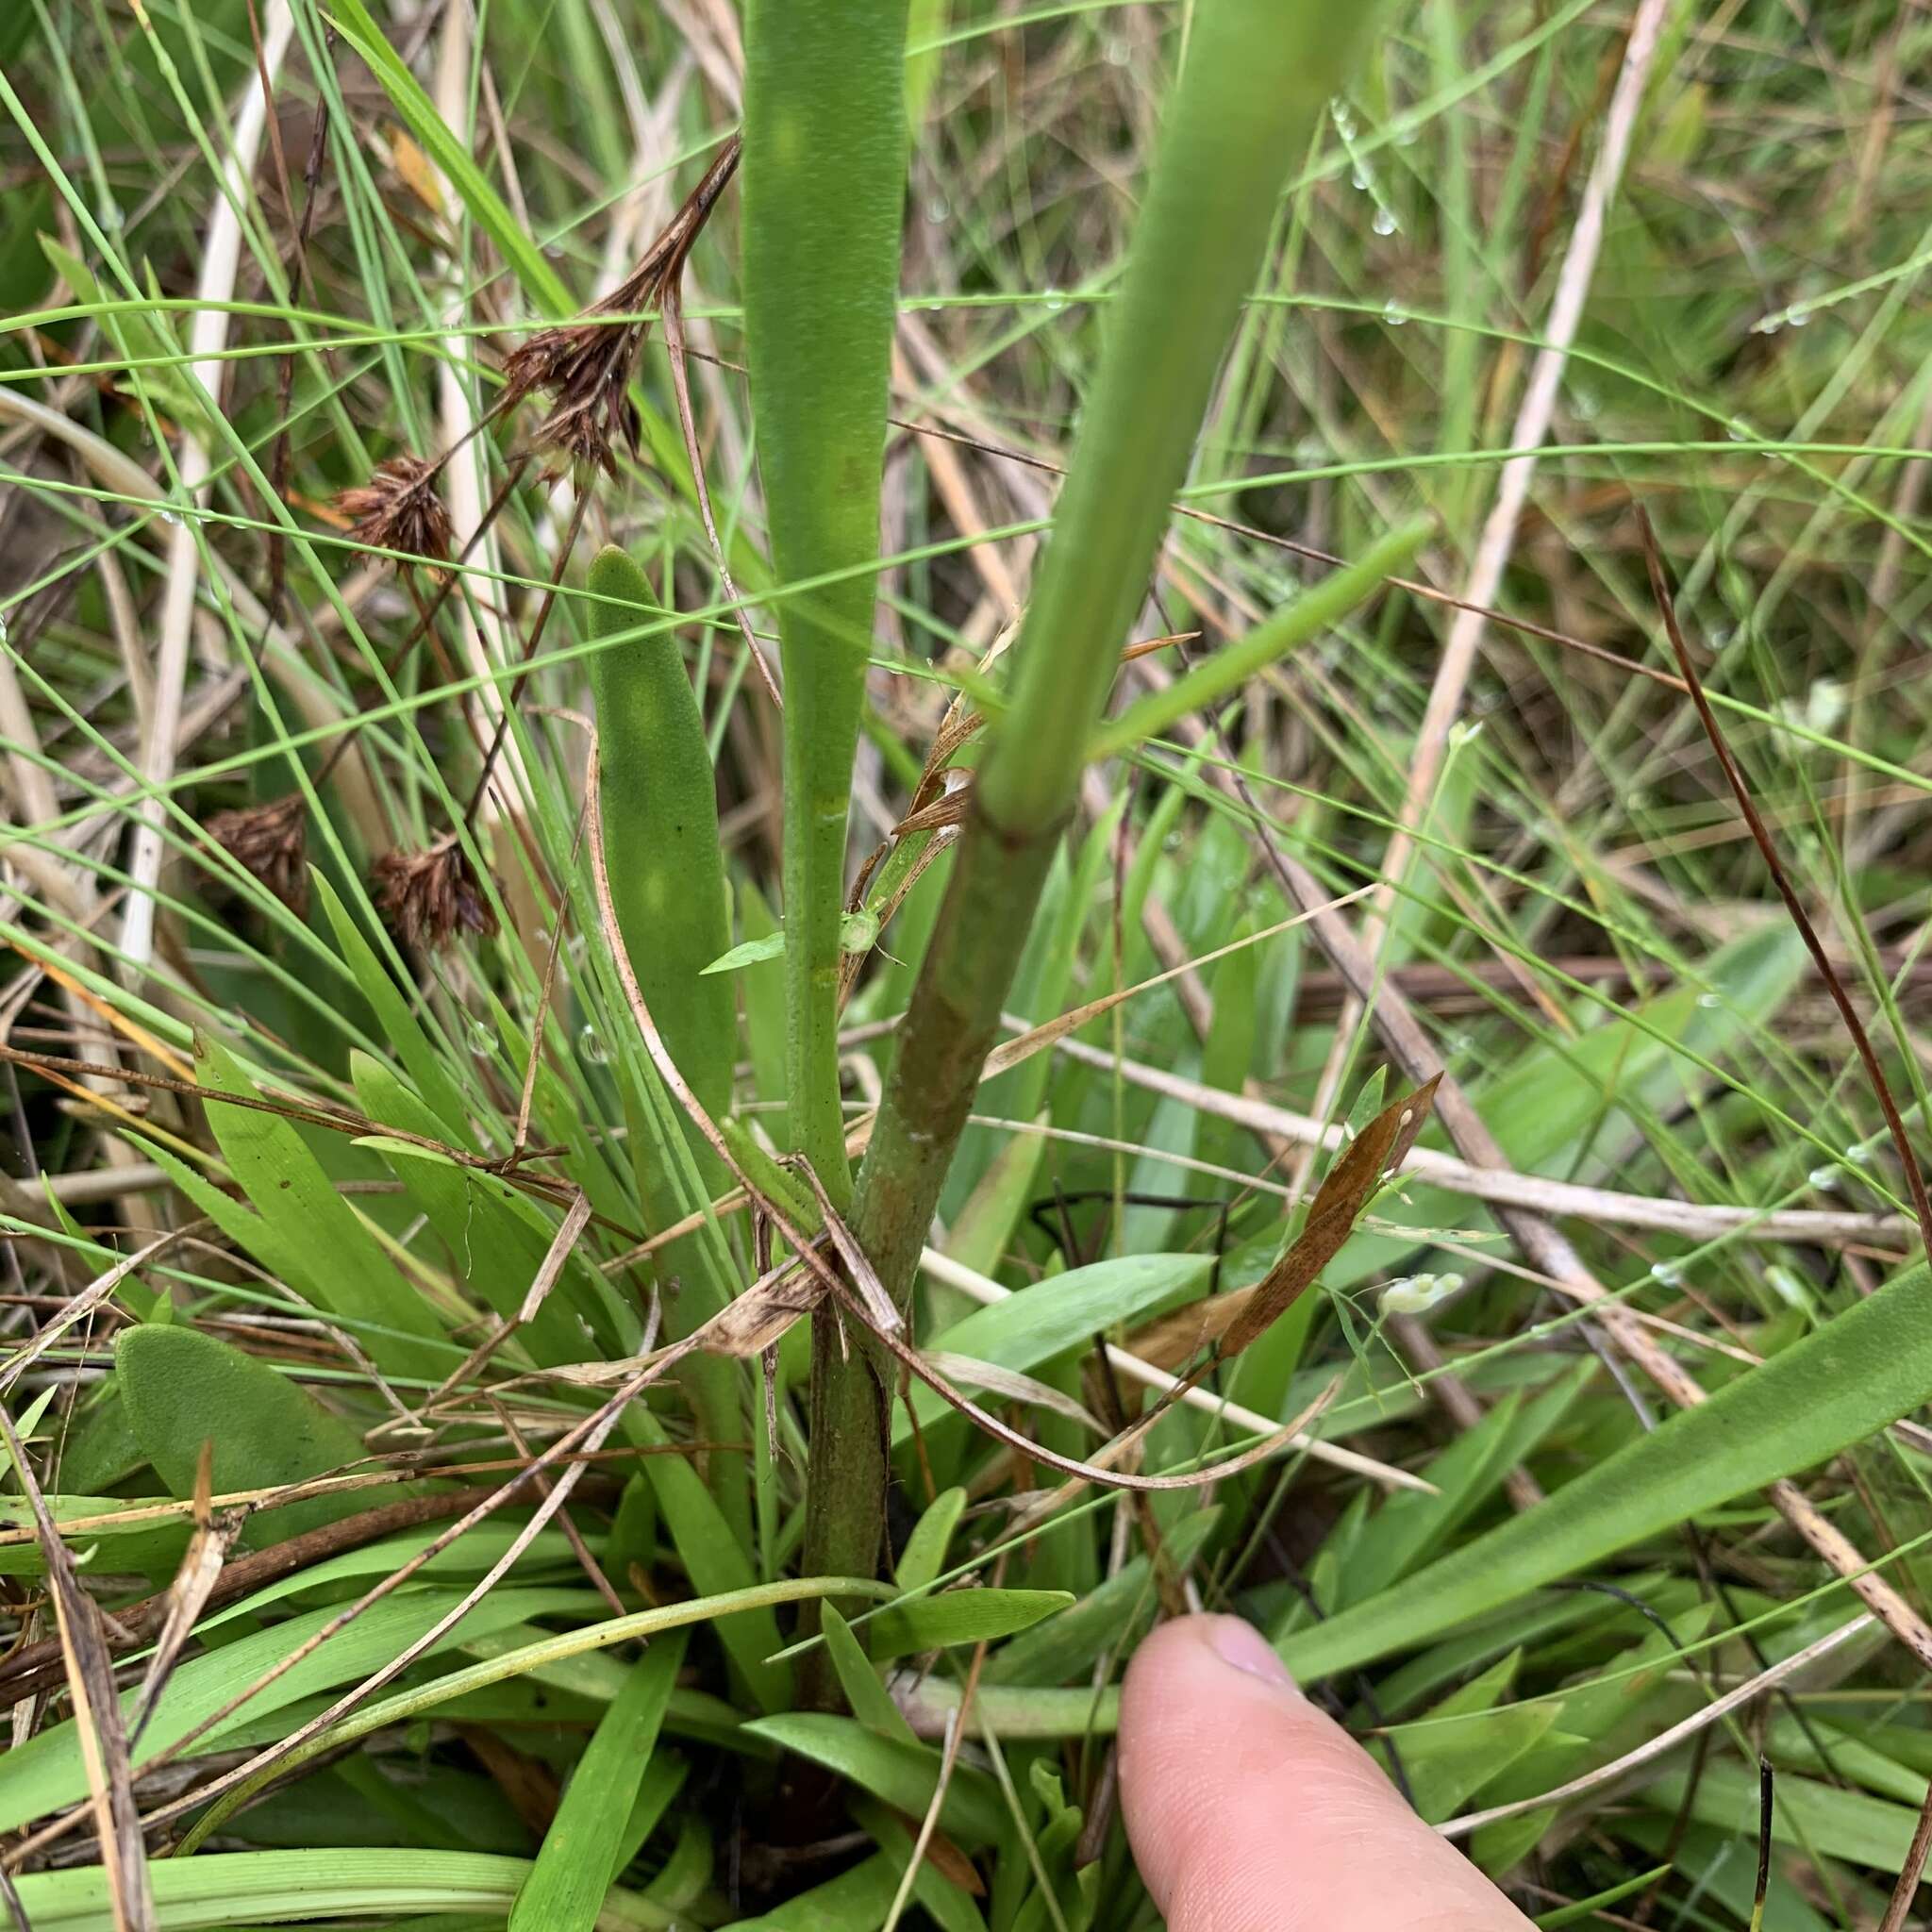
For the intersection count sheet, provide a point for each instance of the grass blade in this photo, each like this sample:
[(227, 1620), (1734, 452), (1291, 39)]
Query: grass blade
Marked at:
[(574, 1868)]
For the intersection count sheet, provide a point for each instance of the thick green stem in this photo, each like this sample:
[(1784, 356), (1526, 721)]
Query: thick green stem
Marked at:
[(1259, 74)]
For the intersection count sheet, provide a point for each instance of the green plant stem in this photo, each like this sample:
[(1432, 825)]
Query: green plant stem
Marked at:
[(824, 186), (1258, 74)]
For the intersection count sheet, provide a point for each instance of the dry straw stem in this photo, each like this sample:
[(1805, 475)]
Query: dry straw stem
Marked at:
[(1693, 1220), (1532, 426), (206, 336), (1666, 1741), (1498, 538), (969, 1281), (479, 627)]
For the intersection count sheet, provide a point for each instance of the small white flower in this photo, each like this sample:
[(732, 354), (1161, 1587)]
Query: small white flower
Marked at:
[(1414, 1294)]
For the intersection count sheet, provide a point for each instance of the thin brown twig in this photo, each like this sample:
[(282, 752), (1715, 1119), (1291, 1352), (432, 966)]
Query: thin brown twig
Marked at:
[(578, 510), (1907, 1888), (1861, 1040)]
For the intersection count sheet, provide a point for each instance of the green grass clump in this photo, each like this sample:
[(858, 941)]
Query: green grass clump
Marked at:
[(663, 1260)]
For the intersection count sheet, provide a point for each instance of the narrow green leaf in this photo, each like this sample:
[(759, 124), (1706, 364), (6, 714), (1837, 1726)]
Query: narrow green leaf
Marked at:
[(1816, 1818), (318, 1240), (979, 1235), (396, 1021), (567, 1884), (488, 208), (146, 1545), (872, 1703), (924, 1555), (1318, 608), (1585, 1908), (962, 1616), (241, 1888), (950, 1906), (48, 1771), (715, 1560), (822, 191), (903, 1776), (1053, 1316), (856, 1900), (660, 829), (495, 1239), (1468, 1739), (748, 952), (1110, 1619), (1848, 1380)]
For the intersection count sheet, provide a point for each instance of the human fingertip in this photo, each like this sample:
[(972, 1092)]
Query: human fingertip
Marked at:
[(1237, 1644)]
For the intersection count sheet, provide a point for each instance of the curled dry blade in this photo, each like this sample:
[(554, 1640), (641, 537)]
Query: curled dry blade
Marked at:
[(1232, 1323)]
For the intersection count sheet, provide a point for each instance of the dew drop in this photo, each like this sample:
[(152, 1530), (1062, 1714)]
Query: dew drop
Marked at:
[(1668, 1273), (590, 1047), (1055, 300), (1768, 325), (1798, 318), (482, 1039), (1361, 178), (1385, 221), (1861, 1153), (938, 209), (1825, 1178), (1394, 315), (1119, 53), (1710, 1001), (173, 522)]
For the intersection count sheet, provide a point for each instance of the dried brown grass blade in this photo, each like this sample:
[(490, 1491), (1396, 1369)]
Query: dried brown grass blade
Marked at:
[(1345, 1191), (188, 1594)]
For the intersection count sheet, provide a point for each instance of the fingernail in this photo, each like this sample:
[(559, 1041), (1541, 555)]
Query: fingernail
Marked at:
[(1241, 1644)]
